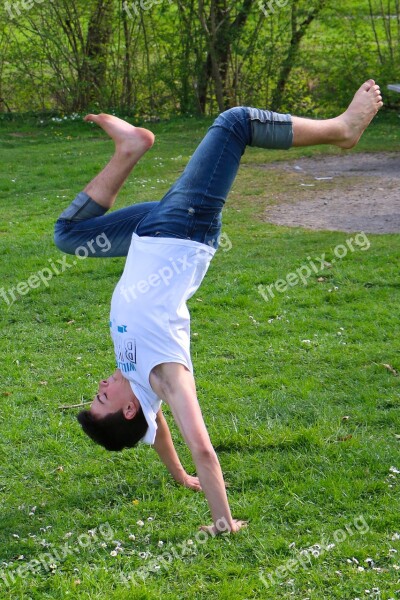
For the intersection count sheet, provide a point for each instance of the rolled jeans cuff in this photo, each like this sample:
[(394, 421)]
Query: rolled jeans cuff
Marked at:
[(82, 208)]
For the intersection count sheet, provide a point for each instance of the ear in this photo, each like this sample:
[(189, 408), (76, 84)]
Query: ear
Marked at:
[(130, 411)]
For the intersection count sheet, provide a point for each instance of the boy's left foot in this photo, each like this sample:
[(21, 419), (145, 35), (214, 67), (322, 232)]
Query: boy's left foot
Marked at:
[(364, 106)]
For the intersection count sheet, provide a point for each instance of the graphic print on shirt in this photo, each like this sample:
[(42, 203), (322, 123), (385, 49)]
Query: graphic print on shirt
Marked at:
[(125, 351)]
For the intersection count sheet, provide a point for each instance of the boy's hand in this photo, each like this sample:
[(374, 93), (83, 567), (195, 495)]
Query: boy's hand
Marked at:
[(213, 530), (192, 483)]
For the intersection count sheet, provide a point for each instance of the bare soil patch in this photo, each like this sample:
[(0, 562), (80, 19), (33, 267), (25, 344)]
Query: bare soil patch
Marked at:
[(347, 192)]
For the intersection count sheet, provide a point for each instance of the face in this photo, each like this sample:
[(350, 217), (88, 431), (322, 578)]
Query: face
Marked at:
[(114, 394)]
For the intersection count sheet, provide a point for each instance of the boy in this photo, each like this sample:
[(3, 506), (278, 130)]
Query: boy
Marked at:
[(169, 245)]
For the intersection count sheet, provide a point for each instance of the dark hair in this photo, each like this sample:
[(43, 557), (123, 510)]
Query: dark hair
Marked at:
[(114, 431)]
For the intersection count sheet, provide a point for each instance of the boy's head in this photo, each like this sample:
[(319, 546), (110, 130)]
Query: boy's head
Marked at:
[(115, 419)]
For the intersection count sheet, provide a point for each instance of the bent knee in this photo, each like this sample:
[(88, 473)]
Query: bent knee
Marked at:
[(63, 242), (232, 115)]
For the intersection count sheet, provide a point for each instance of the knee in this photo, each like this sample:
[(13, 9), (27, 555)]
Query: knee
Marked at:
[(231, 115), (62, 241)]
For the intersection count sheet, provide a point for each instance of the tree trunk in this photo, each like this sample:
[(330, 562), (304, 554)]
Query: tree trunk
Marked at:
[(298, 32), (94, 64)]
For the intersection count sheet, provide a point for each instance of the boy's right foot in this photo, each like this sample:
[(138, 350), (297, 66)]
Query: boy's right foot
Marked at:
[(364, 106), (132, 142)]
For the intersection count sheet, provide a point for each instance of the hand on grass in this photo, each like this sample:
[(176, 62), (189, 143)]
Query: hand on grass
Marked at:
[(214, 530), (192, 483)]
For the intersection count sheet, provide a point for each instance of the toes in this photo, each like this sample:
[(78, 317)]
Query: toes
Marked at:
[(368, 84)]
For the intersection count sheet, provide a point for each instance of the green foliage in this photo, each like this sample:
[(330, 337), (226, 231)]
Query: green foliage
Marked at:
[(72, 55)]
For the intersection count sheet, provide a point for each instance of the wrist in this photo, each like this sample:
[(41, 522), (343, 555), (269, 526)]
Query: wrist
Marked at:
[(179, 475)]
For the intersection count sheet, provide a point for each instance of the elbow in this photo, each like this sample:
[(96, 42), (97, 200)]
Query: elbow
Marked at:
[(204, 452)]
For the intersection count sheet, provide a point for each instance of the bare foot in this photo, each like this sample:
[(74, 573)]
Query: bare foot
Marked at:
[(131, 141), (364, 106)]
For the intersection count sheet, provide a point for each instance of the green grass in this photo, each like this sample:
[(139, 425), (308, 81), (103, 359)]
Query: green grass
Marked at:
[(274, 403)]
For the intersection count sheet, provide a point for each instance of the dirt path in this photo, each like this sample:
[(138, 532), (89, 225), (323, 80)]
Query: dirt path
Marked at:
[(349, 192)]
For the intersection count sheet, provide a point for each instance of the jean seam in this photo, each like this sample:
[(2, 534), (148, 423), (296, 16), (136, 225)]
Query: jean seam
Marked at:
[(230, 131)]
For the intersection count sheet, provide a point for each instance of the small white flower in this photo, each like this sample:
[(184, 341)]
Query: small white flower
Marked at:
[(360, 569), (132, 537), (53, 567), (157, 567), (152, 518), (395, 536), (21, 557), (306, 341), (140, 523), (113, 553), (394, 470), (189, 542), (160, 543), (68, 535), (103, 545), (330, 546), (143, 554)]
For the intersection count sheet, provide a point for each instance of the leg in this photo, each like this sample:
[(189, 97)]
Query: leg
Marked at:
[(343, 131), (84, 222), (130, 145), (192, 207)]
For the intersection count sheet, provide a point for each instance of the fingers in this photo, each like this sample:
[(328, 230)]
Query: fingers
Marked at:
[(192, 483), (213, 530), (241, 525)]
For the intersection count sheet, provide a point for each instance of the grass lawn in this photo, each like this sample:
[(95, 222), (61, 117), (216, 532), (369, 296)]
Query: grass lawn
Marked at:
[(301, 410)]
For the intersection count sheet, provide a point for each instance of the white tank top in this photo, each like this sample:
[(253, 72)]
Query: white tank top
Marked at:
[(149, 319)]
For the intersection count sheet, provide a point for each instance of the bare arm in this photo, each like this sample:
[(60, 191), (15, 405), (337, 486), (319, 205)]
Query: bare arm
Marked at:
[(175, 384), (165, 449)]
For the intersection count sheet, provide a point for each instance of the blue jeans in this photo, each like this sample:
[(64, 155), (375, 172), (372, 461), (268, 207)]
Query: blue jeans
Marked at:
[(192, 208)]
